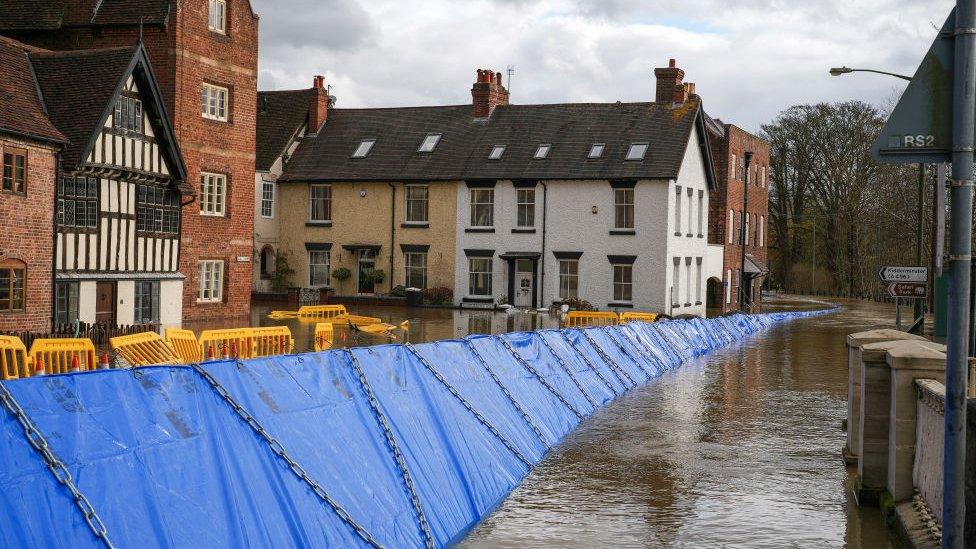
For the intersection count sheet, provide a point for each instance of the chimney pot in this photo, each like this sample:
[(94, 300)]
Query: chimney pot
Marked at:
[(671, 63), (318, 108), (487, 93), (670, 87)]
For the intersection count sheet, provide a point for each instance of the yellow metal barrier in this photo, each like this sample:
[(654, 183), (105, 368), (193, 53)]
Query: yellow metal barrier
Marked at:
[(13, 358), (634, 315), (272, 340), (58, 354), (184, 343), (236, 342), (357, 320), (144, 349), (322, 311), (323, 336), (583, 319)]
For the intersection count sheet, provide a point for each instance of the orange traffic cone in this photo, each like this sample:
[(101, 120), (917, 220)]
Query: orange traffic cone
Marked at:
[(233, 349), (74, 364), (39, 367), (210, 352), (103, 363), (224, 350)]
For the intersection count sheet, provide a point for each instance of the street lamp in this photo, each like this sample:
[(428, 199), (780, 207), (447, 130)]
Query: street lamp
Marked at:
[(837, 71)]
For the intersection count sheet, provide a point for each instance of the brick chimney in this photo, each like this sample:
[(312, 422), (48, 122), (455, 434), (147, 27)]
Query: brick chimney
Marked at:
[(671, 87), (318, 108), (488, 93)]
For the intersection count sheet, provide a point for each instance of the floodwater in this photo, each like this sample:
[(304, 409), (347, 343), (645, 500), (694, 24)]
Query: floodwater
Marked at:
[(740, 448)]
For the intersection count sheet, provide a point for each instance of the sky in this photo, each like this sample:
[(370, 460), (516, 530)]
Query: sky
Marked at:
[(749, 59)]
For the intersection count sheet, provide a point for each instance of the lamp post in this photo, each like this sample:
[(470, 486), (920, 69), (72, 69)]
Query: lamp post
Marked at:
[(918, 323)]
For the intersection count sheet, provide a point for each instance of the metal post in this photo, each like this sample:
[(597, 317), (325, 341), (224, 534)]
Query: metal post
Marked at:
[(745, 231), (918, 318), (961, 196), (898, 313)]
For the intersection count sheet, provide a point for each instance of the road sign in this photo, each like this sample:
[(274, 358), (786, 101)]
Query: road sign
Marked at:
[(908, 290), (904, 274), (919, 130)]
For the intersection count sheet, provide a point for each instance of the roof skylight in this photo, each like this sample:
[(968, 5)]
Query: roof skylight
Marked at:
[(542, 151), (496, 152), (637, 151), (429, 143), (364, 147), (596, 151)]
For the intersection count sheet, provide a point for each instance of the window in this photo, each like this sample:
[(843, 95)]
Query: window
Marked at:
[(731, 229), (65, 302), (14, 170), (218, 16), (479, 276), (267, 199), (728, 286), (542, 151), (568, 278), (12, 274), (691, 206), (429, 143), (147, 302), (734, 168), (623, 283), (688, 280), (319, 262), (496, 152), (596, 151), (525, 204), (157, 210), (363, 148), (213, 102), (762, 231), (211, 281), (417, 203), (677, 210), (746, 233), (128, 114), (762, 177), (623, 208), (213, 194), (636, 151), (415, 269), (676, 282), (698, 280), (77, 204), (701, 209), (482, 207), (320, 203)]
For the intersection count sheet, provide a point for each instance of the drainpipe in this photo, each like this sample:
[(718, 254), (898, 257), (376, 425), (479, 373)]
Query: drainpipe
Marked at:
[(542, 266), (392, 229), (54, 243)]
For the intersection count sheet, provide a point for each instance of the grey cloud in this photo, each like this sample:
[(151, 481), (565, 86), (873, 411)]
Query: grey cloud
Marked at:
[(339, 25)]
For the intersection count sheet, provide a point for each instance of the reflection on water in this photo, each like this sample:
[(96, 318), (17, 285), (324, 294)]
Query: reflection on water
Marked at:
[(738, 449)]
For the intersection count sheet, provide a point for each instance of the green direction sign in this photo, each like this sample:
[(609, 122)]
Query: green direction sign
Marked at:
[(920, 128)]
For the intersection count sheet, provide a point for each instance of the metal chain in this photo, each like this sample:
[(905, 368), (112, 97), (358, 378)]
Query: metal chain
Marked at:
[(57, 468), (508, 444), (525, 364), (569, 371), (606, 358), (588, 363), (401, 462), (280, 451), (637, 345), (511, 397)]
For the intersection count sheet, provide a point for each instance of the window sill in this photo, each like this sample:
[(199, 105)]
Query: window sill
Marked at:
[(621, 304), (687, 304), (415, 225), (217, 120), (83, 230), (318, 223), (675, 306), (701, 236), (677, 233), (151, 234), (623, 232), (698, 303), (523, 231), (477, 300), (12, 311), (479, 230), (689, 235), (208, 302), (213, 215), (13, 193)]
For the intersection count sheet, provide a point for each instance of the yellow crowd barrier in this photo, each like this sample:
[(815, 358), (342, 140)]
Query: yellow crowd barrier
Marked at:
[(237, 342), (635, 315), (324, 335), (272, 340), (144, 349), (184, 343), (13, 358), (57, 354), (322, 311), (583, 319)]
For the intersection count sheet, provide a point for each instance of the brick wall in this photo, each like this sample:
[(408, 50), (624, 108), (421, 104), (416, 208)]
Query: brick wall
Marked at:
[(27, 223)]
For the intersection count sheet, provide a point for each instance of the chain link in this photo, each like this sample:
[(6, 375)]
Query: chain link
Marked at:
[(610, 334), (542, 379), (511, 397), (508, 444), (391, 442), (606, 358), (586, 361), (280, 451), (55, 465), (569, 371)]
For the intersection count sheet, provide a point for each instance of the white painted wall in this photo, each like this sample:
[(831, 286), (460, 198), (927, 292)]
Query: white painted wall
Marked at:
[(125, 302), (171, 303), (86, 301)]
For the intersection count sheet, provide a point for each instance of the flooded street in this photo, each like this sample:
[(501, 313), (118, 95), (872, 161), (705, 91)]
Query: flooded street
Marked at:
[(740, 448)]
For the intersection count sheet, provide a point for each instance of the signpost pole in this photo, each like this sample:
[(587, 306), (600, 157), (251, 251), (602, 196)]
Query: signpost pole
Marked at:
[(961, 225), (918, 318), (898, 313)]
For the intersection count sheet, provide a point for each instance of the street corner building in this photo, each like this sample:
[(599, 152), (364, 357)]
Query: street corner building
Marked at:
[(204, 59), (92, 184), (497, 203)]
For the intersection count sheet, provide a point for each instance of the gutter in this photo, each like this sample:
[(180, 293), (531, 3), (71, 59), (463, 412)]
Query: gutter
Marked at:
[(54, 240), (392, 229), (542, 266)]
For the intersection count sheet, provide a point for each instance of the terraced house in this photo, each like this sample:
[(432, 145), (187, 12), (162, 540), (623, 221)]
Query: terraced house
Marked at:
[(98, 180), (508, 204), (204, 54)]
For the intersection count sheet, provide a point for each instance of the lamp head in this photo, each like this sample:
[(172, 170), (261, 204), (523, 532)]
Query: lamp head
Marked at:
[(837, 71)]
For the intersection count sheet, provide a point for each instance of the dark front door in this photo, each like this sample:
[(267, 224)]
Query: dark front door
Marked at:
[(105, 303), (367, 262)]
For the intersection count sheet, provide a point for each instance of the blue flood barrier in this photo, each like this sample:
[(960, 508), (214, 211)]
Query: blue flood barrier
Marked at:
[(386, 446)]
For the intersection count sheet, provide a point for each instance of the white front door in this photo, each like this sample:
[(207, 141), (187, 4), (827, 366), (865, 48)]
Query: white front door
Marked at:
[(523, 283)]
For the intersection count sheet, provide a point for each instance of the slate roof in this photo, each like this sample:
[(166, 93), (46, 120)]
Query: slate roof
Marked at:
[(21, 110), (280, 115), (53, 14), (31, 14), (463, 150), (128, 12)]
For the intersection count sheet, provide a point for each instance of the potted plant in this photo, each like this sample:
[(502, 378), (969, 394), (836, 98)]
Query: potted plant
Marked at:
[(376, 276), (340, 274), (282, 273)]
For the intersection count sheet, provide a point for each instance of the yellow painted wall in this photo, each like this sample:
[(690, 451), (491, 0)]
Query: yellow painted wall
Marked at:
[(365, 220)]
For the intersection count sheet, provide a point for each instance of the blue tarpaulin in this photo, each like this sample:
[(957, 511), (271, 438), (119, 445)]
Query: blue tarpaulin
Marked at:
[(393, 445)]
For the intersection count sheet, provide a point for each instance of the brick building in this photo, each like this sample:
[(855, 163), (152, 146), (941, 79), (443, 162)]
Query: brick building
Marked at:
[(727, 224), (204, 55)]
